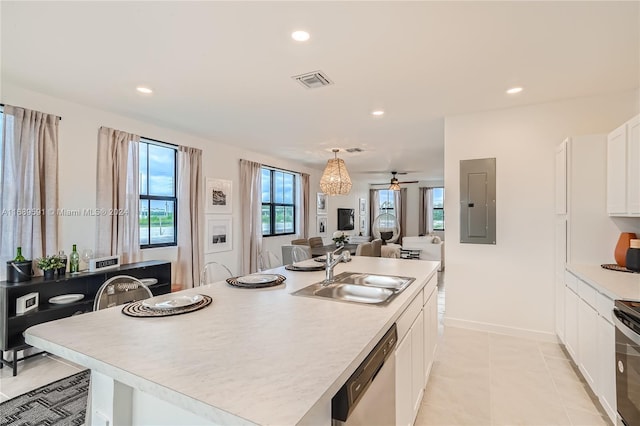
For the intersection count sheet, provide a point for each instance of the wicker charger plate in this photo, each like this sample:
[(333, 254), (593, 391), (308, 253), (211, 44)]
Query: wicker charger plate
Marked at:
[(137, 309), (234, 282), (614, 267)]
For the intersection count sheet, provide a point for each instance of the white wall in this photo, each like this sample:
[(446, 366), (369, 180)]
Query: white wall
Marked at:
[(77, 169), (509, 286)]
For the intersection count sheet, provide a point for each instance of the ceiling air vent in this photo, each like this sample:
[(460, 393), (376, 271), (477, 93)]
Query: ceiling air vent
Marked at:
[(355, 150), (312, 80)]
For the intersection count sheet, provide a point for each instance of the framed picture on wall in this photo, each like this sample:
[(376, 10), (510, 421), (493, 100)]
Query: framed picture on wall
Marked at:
[(322, 203), (363, 207), (363, 225), (218, 196), (219, 234), (322, 225)]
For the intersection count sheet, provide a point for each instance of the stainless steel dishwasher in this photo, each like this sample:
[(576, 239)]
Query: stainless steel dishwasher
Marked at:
[(368, 398)]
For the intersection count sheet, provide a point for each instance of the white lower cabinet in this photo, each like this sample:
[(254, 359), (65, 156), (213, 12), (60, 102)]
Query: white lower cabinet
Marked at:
[(417, 363), (589, 337), (404, 406), (607, 366), (588, 343), (571, 322), (430, 312)]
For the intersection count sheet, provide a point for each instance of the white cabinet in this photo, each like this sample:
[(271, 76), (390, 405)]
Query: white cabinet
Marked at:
[(607, 366), (590, 338), (623, 169), (561, 178), (417, 363), (404, 408), (588, 343), (571, 322), (430, 311)]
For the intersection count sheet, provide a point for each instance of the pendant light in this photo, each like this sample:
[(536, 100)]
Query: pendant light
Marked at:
[(395, 185), (335, 180)]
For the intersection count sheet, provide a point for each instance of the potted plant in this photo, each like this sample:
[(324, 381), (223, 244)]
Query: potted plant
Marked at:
[(48, 265), (340, 238)]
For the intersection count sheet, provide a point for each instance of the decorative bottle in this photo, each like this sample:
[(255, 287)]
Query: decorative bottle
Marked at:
[(19, 256), (74, 260), (63, 261)]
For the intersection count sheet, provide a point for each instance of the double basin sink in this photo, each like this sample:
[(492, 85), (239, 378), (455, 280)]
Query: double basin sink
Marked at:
[(356, 287)]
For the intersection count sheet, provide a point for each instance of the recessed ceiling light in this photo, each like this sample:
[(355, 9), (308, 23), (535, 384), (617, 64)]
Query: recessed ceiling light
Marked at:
[(514, 90), (300, 35), (377, 112), (144, 90)]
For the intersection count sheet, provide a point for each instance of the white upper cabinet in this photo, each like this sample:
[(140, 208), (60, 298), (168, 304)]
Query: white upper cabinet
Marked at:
[(623, 169), (561, 178)]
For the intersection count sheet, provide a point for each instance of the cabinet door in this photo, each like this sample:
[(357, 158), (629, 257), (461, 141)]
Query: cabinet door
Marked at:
[(404, 402), (571, 322), (560, 264), (617, 171), (607, 366), (417, 363), (430, 333), (588, 344), (633, 174), (561, 178)]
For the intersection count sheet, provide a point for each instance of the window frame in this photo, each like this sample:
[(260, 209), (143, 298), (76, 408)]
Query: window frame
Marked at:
[(149, 198), (272, 205), (433, 209)]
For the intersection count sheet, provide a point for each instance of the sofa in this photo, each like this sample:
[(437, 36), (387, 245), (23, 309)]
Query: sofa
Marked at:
[(428, 249)]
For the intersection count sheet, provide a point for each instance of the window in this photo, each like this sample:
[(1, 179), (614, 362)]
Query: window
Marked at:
[(278, 202), (158, 202), (438, 209), (387, 205)]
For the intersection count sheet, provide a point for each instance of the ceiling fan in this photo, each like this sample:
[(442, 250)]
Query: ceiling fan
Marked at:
[(394, 184)]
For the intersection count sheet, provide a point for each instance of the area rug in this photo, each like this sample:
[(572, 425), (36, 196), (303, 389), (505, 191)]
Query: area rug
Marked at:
[(62, 402)]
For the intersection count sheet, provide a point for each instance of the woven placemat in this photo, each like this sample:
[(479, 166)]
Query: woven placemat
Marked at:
[(614, 267), (304, 268), (234, 282), (137, 309)]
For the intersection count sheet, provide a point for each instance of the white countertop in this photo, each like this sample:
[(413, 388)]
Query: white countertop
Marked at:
[(614, 284), (261, 355)]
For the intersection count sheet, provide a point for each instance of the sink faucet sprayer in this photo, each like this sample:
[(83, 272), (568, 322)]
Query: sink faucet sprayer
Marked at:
[(330, 263)]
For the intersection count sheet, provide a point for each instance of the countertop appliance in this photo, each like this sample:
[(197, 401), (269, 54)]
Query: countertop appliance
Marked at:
[(368, 397), (627, 321)]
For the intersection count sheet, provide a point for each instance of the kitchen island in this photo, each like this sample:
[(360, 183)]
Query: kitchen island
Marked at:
[(254, 356)]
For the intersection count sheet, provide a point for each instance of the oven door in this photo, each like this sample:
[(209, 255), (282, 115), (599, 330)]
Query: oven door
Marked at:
[(627, 368)]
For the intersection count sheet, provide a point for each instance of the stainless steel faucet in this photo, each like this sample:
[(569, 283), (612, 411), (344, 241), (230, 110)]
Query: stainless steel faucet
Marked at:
[(330, 263)]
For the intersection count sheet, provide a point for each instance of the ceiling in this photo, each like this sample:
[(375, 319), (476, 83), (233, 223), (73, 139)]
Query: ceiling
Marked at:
[(222, 70)]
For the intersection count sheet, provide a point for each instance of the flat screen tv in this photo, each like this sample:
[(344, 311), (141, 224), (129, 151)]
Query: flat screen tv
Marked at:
[(346, 220)]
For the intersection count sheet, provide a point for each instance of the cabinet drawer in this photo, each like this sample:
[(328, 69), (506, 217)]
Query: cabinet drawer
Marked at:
[(408, 316), (428, 290), (571, 281), (587, 293), (604, 306)]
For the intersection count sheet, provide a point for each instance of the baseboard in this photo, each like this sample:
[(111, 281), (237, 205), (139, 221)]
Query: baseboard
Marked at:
[(501, 329)]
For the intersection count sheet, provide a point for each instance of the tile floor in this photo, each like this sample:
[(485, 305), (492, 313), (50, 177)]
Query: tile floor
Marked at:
[(478, 378)]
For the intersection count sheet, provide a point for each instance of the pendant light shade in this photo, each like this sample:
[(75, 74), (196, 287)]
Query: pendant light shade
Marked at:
[(335, 180)]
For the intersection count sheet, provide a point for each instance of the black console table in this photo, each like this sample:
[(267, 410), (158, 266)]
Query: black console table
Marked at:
[(87, 283)]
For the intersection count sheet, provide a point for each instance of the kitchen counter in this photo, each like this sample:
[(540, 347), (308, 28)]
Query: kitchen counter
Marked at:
[(614, 284), (254, 356)]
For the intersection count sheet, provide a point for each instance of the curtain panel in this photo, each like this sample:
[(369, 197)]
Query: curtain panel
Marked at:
[(304, 206), (190, 217), (118, 187), (374, 210), (425, 224), (400, 203), (251, 221), (29, 181)]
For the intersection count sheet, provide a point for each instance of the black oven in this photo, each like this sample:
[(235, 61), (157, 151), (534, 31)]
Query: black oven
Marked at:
[(627, 319)]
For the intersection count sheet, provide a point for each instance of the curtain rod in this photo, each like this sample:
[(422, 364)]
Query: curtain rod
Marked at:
[(284, 170), (58, 117)]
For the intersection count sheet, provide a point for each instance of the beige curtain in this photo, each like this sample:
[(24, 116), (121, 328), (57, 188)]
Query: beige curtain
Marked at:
[(118, 188), (251, 209), (425, 216), (374, 210), (29, 180), (400, 203), (190, 205), (304, 210)]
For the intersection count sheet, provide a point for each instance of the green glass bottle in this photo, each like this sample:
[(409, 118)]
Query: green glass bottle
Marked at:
[(74, 260), (19, 256)]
